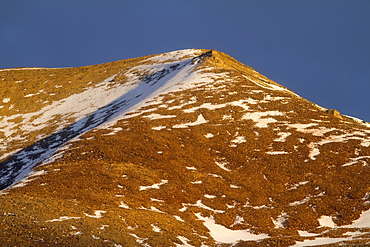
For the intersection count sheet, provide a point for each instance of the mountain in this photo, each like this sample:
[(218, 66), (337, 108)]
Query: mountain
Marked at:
[(186, 148)]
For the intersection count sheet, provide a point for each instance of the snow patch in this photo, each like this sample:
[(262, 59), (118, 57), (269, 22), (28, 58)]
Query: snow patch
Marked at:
[(222, 234), (185, 242), (237, 140), (209, 135), (155, 228), (283, 136), (210, 196), (327, 221), (200, 120), (356, 160), (261, 119), (154, 186), (280, 221), (124, 205), (97, 214), (276, 152), (222, 165), (159, 127)]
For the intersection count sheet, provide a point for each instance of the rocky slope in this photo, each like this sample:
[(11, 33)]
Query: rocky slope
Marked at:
[(187, 148)]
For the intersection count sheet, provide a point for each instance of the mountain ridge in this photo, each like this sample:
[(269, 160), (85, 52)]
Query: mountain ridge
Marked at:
[(182, 144)]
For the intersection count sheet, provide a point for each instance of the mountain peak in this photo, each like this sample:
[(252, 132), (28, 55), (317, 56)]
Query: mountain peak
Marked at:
[(189, 148)]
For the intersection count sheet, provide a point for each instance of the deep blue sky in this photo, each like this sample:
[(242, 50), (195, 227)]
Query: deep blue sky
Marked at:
[(318, 48)]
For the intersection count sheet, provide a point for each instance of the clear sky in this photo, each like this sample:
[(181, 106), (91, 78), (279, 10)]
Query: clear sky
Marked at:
[(318, 48)]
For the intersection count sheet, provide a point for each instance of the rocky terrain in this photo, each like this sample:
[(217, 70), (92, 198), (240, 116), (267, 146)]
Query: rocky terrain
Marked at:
[(186, 148)]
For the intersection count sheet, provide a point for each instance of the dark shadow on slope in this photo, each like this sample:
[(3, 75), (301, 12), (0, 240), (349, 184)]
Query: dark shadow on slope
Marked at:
[(18, 166)]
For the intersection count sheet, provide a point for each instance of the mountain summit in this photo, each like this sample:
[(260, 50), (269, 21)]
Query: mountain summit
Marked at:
[(186, 148)]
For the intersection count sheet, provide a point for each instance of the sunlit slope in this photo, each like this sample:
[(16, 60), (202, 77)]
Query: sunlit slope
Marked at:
[(35, 130), (207, 151)]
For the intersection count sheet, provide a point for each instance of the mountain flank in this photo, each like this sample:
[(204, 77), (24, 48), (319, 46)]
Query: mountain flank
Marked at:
[(186, 148)]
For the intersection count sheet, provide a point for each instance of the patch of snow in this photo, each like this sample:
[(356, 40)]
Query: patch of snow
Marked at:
[(215, 175), (102, 227), (314, 151), (115, 130), (155, 228), (238, 219), (185, 242), (124, 205), (211, 106), (97, 214), (156, 200), (355, 160), (178, 218), (305, 128), (360, 121), (200, 120), (174, 55), (222, 234), (191, 168), (199, 204), (29, 95), (283, 136), (238, 140), (295, 186), (326, 221), (6, 100), (301, 127), (261, 119), (336, 138), (307, 234), (296, 203), (210, 196), (139, 240), (276, 152), (208, 106), (154, 209), (222, 164), (154, 186), (159, 127), (209, 135), (280, 221), (183, 209)]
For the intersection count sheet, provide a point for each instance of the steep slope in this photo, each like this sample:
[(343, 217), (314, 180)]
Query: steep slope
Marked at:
[(185, 148)]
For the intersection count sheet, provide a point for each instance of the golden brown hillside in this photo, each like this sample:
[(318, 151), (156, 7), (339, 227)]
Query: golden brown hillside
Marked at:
[(192, 148)]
